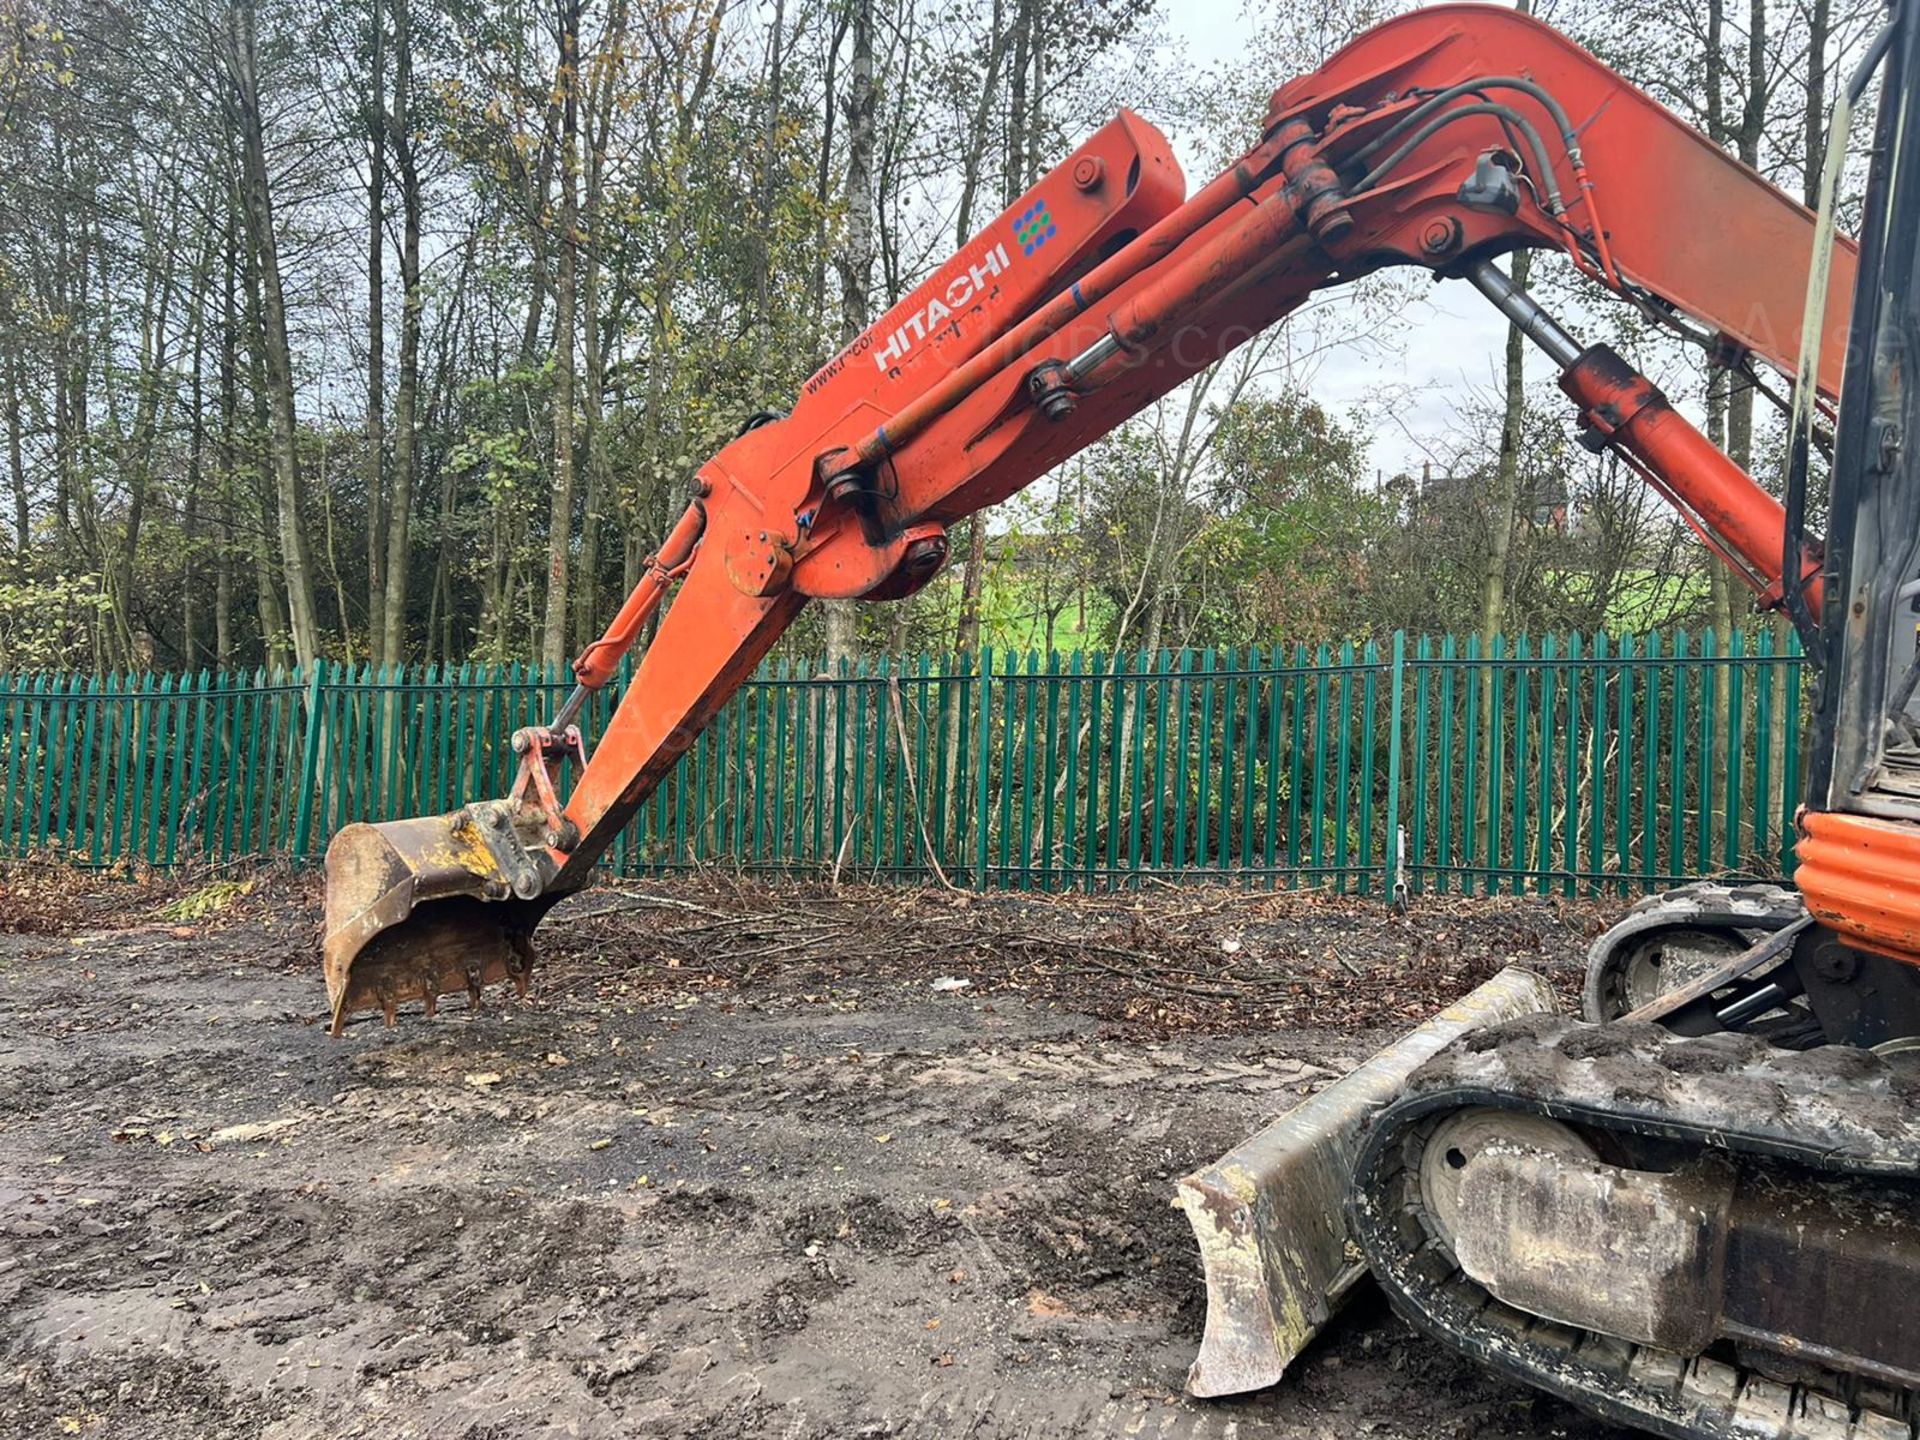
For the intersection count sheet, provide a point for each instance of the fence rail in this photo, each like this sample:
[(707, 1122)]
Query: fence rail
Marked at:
[(1575, 764)]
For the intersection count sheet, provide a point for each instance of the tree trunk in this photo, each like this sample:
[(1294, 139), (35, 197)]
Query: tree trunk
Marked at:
[(553, 635), (1740, 397), (1036, 95), (1504, 518), (227, 453), (295, 553), (138, 457), (16, 463), (1753, 118), (823, 181), (69, 292), (1506, 477), (196, 463), (1819, 23), (1013, 173), (1719, 580), (856, 263), (966, 630), (267, 567), (1505, 511), (856, 258), (376, 336), (974, 157), (603, 97), (966, 636), (586, 610), (769, 157), (406, 400)]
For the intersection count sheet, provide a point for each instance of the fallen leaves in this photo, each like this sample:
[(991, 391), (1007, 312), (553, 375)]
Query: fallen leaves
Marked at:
[(208, 900), (1166, 959)]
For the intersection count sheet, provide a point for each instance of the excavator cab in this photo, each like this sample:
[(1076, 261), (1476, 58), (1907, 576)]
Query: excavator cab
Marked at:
[(1860, 831)]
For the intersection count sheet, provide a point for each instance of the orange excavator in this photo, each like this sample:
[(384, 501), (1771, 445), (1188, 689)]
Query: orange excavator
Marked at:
[(1700, 1216)]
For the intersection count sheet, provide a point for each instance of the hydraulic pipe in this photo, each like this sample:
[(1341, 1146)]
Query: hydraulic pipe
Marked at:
[(1621, 405), (1237, 253), (600, 659)]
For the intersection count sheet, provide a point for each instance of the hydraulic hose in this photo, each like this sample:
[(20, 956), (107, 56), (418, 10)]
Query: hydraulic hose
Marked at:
[(1569, 137), (1505, 113)]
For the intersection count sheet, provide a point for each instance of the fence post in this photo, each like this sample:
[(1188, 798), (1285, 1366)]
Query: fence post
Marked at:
[(309, 763), (983, 802), (1396, 888)]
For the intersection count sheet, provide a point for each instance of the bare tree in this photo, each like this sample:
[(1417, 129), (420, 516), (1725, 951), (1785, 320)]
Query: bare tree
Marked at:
[(1505, 514), (553, 635), (239, 50), (856, 256), (406, 400), (376, 122)]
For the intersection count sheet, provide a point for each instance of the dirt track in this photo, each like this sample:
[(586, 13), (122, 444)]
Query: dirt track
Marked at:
[(721, 1183)]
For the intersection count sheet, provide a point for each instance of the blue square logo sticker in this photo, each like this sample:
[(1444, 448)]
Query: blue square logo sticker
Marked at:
[(1034, 228)]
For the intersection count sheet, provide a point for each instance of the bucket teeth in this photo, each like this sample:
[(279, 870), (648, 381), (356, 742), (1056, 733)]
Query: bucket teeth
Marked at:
[(383, 982)]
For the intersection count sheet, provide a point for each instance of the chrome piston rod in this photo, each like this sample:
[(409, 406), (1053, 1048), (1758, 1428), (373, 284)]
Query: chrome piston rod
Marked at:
[(1524, 311)]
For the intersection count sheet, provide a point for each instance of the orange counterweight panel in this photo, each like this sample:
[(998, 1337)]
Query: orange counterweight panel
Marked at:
[(1857, 875)]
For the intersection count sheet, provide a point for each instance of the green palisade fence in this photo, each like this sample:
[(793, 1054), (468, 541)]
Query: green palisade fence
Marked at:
[(1565, 765)]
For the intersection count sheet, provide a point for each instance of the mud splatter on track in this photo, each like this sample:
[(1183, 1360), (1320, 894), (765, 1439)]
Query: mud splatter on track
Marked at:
[(756, 1178)]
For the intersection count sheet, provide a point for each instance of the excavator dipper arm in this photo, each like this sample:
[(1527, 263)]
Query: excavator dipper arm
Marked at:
[(1440, 140)]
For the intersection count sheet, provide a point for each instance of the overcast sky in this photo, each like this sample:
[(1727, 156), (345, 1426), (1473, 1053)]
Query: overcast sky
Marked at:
[(1453, 340)]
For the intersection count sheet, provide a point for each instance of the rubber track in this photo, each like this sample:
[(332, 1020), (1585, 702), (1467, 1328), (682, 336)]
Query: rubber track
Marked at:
[(1708, 905), (1832, 1110)]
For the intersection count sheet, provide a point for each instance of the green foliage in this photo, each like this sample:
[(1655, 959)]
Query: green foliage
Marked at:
[(714, 235), (44, 624), (207, 901), (1302, 523)]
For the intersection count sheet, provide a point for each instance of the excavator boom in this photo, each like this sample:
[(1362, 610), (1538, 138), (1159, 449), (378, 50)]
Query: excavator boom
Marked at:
[(1700, 1219), (1439, 140)]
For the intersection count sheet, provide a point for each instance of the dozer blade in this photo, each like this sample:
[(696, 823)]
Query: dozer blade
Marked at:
[(1270, 1215), (421, 908)]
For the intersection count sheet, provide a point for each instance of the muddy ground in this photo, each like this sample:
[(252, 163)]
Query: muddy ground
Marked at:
[(741, 1168)]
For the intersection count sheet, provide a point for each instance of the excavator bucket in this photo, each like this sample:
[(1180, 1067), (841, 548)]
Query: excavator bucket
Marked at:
[(1270, 1215), (421, 908)]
